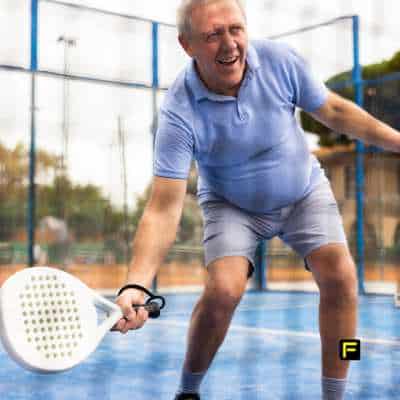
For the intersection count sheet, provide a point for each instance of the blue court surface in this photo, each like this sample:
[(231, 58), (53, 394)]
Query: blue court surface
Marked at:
[(272, 352)]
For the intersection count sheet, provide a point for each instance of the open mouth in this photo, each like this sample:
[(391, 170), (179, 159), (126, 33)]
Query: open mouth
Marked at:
[(228, 61)]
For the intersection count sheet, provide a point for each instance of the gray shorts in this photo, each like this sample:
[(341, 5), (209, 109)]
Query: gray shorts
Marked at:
[(305, 225)]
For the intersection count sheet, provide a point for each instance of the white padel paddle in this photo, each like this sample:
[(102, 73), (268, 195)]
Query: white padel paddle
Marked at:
[(49, 320)]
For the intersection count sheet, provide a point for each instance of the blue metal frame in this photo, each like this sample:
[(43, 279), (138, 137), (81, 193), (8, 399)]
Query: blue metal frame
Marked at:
[(34, 34), (357, 81), (155, 86), (100, 11), (32, 151), (155, 80), (82, 78), (358, 89), (261, 267), (310, 27), (34, 71)]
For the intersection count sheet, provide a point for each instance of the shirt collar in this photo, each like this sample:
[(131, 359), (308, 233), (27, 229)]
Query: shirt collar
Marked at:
[(201, 92)]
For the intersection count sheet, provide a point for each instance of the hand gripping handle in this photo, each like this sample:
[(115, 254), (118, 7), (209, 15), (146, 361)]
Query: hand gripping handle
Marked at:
[(154, 304)]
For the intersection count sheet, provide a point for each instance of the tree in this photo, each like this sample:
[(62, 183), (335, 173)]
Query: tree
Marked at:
[(14, 167), (380, 100), (189, 231), (88, 213)]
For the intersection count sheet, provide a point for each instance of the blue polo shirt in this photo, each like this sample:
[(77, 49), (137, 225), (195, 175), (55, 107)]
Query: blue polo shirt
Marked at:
[(249, 149)]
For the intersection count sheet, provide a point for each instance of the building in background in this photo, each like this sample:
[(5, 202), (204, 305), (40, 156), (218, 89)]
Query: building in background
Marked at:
[(382, 194)]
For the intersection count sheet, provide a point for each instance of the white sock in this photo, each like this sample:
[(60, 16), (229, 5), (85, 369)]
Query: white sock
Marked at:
[(333, 388), (190, 381)]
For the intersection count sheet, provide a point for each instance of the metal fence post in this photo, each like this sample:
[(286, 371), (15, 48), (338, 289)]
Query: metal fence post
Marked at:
[(32, 152), (155, 86), (261, 267), (358, 88)]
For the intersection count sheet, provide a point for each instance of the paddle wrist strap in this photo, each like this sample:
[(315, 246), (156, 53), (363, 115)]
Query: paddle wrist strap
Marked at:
[(153, 304), (133, 286)]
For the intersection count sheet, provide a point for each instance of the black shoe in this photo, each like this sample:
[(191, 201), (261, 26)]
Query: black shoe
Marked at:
[(187, 396)]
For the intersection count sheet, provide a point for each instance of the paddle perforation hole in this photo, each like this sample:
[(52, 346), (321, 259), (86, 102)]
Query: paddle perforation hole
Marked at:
[(53, 323)]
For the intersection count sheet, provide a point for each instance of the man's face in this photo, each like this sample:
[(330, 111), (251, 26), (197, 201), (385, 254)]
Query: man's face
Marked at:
[(218, 44)]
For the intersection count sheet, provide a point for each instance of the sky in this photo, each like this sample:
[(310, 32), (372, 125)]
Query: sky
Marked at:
[(116, 48)]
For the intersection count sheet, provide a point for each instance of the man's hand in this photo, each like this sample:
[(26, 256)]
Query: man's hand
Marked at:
[(133, 318)]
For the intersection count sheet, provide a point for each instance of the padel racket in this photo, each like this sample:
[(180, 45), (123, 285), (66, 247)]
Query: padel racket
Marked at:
[(49, 320)]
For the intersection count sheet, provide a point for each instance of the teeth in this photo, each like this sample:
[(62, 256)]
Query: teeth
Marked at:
[(227, 60)]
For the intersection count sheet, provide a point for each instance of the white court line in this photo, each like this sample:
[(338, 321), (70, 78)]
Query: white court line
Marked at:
[(252, 308), (283, 306), (278, 332)]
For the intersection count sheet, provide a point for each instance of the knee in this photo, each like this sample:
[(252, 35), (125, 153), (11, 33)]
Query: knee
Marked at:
[(340, 285), (222, 299)]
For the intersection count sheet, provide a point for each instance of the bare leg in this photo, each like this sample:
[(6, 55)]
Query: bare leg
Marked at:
[(335, 274), (225, 285)]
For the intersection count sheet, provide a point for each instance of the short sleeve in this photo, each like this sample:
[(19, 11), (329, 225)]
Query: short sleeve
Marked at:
[(173, 150), (310, 93)]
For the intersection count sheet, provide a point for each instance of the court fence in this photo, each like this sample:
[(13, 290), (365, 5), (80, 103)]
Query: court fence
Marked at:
[(79, 112)]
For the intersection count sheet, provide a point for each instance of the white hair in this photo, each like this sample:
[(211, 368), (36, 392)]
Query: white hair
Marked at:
[(184, 14)]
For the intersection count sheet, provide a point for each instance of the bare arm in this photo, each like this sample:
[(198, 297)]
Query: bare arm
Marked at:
[(155, 235), (157, 229), (346, 117)]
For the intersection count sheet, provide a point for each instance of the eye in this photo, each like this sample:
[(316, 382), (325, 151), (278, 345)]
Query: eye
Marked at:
[(212, 36), (236, 30)]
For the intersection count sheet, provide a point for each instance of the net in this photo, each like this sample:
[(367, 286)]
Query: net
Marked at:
[(93, 140), (93, 44), (383, 193)]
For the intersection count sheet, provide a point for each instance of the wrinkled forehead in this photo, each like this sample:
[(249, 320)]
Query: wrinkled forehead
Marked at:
[(216, 13)]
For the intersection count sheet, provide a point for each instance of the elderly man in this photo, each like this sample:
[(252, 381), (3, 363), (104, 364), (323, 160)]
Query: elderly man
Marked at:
[(233, 110)]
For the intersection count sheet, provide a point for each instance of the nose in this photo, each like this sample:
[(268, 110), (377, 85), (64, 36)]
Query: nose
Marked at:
[(228, 42)]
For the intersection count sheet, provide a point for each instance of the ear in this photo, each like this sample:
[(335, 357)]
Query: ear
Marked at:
[(184, 42)]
